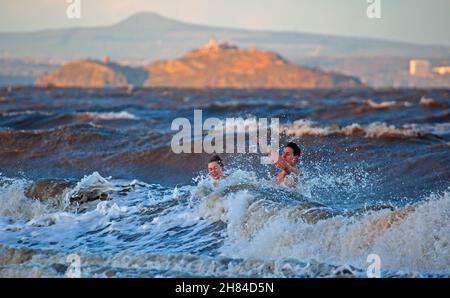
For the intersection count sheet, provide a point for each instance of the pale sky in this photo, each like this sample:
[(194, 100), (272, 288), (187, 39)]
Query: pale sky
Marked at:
[(418, 21)]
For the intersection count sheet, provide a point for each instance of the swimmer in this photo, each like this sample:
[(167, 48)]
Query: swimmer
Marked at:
[(287, 163), (215, 169)]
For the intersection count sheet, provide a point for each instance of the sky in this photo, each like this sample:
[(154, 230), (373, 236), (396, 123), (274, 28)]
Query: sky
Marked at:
[(417, 21)]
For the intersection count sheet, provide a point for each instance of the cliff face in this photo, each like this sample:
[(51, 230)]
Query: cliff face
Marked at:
[(84, 73), (211, 66), (90, 73), (224, 66)]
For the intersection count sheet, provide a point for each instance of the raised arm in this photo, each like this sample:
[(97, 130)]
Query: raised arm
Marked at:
[(278, 161), (283, 165)]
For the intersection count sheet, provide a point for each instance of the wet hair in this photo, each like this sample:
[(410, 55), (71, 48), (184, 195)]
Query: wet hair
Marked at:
[(295, 147), (216, 158)]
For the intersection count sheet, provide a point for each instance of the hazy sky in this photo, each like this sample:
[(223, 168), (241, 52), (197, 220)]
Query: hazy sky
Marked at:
[(420, 21)]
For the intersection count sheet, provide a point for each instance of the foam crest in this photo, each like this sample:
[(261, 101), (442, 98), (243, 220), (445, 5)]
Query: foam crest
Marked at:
[(374, 130), (90, 187), (122, 115), (14, 203)]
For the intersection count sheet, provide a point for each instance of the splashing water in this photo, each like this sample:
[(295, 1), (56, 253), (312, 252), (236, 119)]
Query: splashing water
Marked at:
[(237, 229)]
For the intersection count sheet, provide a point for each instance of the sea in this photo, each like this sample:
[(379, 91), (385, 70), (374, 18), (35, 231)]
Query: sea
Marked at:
[(90, 185)]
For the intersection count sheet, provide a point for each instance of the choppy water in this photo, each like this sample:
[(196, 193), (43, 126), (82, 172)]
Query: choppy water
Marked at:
[(367, 155)]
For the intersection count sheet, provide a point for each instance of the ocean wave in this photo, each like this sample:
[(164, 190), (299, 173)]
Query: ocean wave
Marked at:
[(305, 127), (122, 115), (89, 188), (13, 201), (439, 129), (27, 141), (415, 240), (253, 103), (26, 112), (20, 262), (386, 104), (262, 225), (374, 130), (25, 199), (258, 229), (429, 102)]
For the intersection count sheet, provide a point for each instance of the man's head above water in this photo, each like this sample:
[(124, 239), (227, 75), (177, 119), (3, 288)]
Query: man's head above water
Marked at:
[(291, 153), (215, 167)]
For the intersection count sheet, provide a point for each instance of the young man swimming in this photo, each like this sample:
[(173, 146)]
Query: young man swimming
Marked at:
[(287, 163), (215, 169)]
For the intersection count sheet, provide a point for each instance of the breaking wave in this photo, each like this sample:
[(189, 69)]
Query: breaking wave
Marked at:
[(374, 130), (122, 115), (245, 227)]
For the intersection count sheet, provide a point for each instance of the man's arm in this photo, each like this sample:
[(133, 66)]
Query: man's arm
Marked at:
[(279, 162), (283, 165)]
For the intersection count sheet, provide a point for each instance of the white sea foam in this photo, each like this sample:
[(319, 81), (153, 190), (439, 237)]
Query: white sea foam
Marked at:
[(429, 102), (386, 104), (46, 263), (14, 203), (26, 112), (263, 234), (125, 115), (90, 183), (381, 105), (305, 127), (418, 243)]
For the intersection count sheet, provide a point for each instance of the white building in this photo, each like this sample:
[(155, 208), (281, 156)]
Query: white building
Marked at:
[(419, 67)]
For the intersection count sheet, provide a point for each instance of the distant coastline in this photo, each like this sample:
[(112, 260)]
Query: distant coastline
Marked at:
[(214, 65)]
